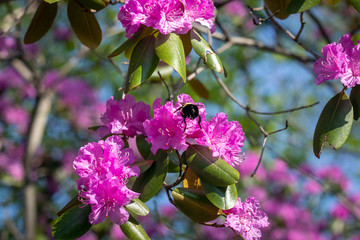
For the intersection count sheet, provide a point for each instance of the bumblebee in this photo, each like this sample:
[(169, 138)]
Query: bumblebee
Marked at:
[(189, 110)]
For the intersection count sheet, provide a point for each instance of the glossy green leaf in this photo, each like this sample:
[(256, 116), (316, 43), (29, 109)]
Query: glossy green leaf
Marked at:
[(51, 1), (356, 4), (194, 204), (94, 4), (298, 6), (143, 146), (278, 7), (203, 49), (84, 24), (165, 72), (199, 88), (137, 207), (72, 203), (355, 101), (186, 41), (72, 224), (41, 22), (334, 123), (213, 170), (133, 230), (169, 48), (222, 197), (129, 43), (149, 183), (142, 64), (173, 163)]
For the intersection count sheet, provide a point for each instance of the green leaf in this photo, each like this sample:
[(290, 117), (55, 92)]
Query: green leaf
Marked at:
[(133, 230), (186, 41), (213, 170), (73, 202), (72, 224), (137, 207), (41, 22), (169, 48), (84, 24), (142, 64), (173, 163), (129, 43), (143, 146), (94, 4), (199, 88), (278, 7), (355, 101), (51, 1), (203, 49), (298, 6), (334, 123), (222, 197), (356, 4), (149, 183), (333, 2), (194, 204)]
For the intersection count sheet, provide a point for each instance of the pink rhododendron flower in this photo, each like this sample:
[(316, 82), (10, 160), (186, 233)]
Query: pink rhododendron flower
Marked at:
[(167, 16), (125, 116), (166, 129), (104, 169), (224, 138), (246, 218), (341, 60)]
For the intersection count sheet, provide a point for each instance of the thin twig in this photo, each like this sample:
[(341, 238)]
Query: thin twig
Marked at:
[(167, 87), (301, 27)]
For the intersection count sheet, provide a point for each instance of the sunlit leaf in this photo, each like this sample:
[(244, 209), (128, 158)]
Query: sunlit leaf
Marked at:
[(142, 64), (41, 22), (137, 207), (278, 7), (297, 6), (194, 204), (72, 224), (150, 182), (94, 4), (84, 24), (169, 48), (203, 49), (133, 230), (355, 101), (222, 197), (213, 170), (192, 180), (334, 123), (51, 1)]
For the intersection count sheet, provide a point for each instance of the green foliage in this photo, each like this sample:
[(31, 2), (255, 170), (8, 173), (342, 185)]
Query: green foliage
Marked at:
[(194, 204), (203, 49), (84, 24), (72, 224), (334, 123), (133, 230), (150, 182), (137, 207), (356, 4), (213, 170), (278, 7), (41, 22), (94, 4), (298, 6), (199, 88), (169, 48), (222, 197)]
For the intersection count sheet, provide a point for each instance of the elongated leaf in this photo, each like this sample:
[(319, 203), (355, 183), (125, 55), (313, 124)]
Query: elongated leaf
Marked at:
[(334, 123), (222, 197), (41, 22), (72, 224), (192, 180), (186, 41), (203, 49), (129, 43), (137, 207), (94, 4), (149, 183), (133, 230), (194, 204), (199, 88), (143, 62), (143, 146), (278, 7), (84, 24), (72, 203), (51, 1), (169, 48), (356, 4), (298, 6), (355, 101), (213, 170)]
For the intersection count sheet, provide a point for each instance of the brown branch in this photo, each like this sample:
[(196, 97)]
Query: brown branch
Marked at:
[(301, 27)]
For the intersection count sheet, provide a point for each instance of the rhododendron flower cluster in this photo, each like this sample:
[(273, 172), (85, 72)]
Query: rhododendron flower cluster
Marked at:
[(246, 218), (124, 117), (341, 60), (166, 130), (166, 16), (104, 169)]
